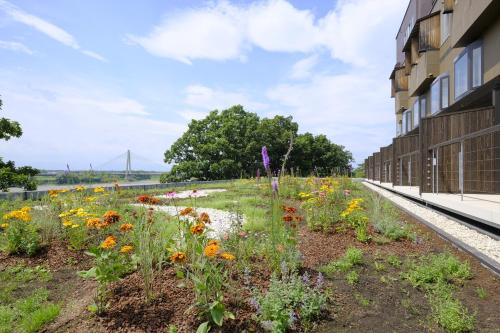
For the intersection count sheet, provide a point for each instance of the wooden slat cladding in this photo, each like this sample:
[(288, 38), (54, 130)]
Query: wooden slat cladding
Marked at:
[(448, 6), (429, 33), (443, 133), (376, 166), (414, 50), (386, 164), (401, 80), (407, 63), (370, 167), (406, 166)]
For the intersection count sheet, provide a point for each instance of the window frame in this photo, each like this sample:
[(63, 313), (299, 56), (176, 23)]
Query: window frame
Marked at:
[(468, 52), (439, 83)]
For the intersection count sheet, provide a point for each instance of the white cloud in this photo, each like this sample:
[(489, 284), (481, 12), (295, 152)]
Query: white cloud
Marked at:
[(45, 27), (224, 31), (213, 32), (15, 46), (275, 25), (352, 109), (80, 124), (191, 114), (302, 68), (94, 55), (209, 99)]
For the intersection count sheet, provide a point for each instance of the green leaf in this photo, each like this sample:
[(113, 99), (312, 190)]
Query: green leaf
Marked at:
[(203, 328), (180, 274), (91, 273), (217, 313)]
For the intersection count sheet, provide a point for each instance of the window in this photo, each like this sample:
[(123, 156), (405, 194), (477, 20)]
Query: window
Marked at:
[(435, 94), (477, 67), (461, 75), (440, 91), (445, 92), (416, 113), (423, 106), (408, 121), (445, 27), (469, 69), (403, 125)]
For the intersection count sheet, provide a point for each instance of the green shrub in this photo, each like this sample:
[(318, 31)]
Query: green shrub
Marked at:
[(448, 312), (287, 299), (351, 258), (21, 237), (438, 268), (352, 277)]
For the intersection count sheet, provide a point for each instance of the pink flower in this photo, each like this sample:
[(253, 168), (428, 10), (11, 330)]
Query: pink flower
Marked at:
[(171, 194)]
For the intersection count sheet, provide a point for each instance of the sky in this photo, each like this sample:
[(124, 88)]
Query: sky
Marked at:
[(89, 80)]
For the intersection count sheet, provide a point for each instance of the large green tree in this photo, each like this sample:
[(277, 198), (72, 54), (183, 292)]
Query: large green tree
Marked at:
[(227, 144), (9, 174)]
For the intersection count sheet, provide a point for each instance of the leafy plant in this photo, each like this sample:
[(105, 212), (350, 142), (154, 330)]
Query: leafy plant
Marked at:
[(288, 299), (109, 266), (352, 277), (351, 258)]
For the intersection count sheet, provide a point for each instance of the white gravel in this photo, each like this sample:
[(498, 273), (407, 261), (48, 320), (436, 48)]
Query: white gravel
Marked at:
[(193, 194), (482, 243), (221, 221)]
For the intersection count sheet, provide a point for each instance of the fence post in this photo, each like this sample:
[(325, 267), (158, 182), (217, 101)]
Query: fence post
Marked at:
[(461, 170)]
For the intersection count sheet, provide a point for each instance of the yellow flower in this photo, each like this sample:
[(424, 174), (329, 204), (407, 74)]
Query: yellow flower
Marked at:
[(213, 242), (4, 225), (79, 188), (67, 223), (109, 242), (22, 214), (211, 250), (126, 249), (228, 256), (75, 226), (178, 257), (90, 199), (99, 189)]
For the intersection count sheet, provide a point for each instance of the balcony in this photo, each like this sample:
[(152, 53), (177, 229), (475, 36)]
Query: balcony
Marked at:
[(401, 101), (424, 72), (471, 18)]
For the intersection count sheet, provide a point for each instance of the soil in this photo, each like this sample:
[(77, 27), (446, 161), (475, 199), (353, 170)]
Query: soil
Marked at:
[(380, 302)]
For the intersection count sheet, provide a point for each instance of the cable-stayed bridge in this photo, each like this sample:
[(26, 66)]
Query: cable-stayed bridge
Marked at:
[(125, 164)]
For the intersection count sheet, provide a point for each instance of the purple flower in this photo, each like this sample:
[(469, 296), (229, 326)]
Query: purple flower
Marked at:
[(320, 280), (265, 159), (255, 304), (274, 184), (171, 194), (305, 278)]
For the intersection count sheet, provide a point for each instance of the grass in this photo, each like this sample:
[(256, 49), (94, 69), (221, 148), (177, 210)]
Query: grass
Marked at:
[(481, 293), (437, 274), (20, 312), (351, 258)]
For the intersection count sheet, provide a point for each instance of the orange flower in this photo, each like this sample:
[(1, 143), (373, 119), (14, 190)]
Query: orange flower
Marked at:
[(213, 242), (211, 250), (126, 227), (109, 242), (228, 256), (126, 249), (197, 229), (204, 218), (288, 218), (186, 211), (147, 199), (94, 223), (178, 257), (111, 217), (289, 210)]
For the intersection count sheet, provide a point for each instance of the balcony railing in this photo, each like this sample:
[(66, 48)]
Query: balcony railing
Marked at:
[(424, 72)]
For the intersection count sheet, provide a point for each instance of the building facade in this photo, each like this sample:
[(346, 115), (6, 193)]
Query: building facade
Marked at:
[(446, 90)]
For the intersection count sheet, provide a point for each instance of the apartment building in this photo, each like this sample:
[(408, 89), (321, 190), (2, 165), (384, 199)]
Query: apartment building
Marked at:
[(446, 90)]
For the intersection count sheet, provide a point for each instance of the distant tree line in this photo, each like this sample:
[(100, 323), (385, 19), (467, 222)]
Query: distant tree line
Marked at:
[(227, 144), (92, 178), (10, 175)]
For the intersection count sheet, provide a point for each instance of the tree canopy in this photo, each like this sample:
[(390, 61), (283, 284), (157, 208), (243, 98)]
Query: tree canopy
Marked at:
[(227, 144), (10, 175)]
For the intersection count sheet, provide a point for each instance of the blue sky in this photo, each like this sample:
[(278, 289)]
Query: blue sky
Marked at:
[(90, 79)]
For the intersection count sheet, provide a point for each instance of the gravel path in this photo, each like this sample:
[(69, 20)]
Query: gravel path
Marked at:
[(221, 220), (482, 243), (193, 194)]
